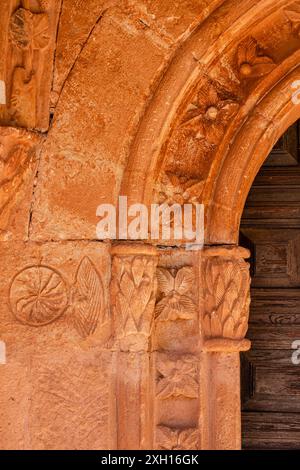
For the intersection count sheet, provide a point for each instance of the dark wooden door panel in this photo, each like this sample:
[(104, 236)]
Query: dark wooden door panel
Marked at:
[(275, 256), (272, 382), (271, 230), (271, 431)]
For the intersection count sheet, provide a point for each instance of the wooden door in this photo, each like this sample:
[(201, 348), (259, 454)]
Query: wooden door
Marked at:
[(271, 229)]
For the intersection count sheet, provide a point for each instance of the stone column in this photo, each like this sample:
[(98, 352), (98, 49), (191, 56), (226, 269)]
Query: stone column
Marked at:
[(226, 300), (133, 294)]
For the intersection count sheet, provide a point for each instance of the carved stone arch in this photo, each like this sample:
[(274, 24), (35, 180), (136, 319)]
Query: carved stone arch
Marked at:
[(257, 136), (195, 69)]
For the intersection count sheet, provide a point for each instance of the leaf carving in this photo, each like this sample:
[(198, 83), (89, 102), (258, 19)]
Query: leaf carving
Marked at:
[(87, 298), (227, 298), (29, 30), (134, 284)]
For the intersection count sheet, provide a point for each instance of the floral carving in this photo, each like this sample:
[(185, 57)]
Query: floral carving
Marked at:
[(38, 295), (134, 292), (177, 378), (177, 439), (227, 298), (210, 111), (294, 17), (179, 189), (174, 291), (191, 148), (30, 34), (87, 298), (251, 61), (17, 162)]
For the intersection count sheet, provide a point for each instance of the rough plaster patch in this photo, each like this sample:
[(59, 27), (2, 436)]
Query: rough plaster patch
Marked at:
[(2, 92), (2, 353)]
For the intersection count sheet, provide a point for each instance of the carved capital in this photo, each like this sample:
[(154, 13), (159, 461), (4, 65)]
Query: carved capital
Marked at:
[(226, 282), (133, 292)]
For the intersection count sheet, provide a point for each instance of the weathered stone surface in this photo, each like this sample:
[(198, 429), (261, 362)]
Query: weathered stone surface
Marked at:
[(55, 322), (19, 162), (66, 198), (131, 347)]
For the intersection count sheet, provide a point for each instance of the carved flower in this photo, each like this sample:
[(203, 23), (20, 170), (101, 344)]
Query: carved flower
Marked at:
[(251, 61), (227, 299), (210, 112), (29, 30), (294, 17), (38, 295), (177, 378), (176, 303), (179, 189), (177, 439)]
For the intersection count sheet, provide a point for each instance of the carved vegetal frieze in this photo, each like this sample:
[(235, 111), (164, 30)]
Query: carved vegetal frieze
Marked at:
[(175, 294), (168, 438), (192, 145), (227, 298), (204, 121), (133, 299), (177, 378), (39, 295)]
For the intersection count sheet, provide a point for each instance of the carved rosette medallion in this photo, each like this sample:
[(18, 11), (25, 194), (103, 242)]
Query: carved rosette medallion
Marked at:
[(38, 295)]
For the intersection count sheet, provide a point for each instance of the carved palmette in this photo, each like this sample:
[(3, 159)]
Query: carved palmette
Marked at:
[(227, 298), (134, 292), (87, 298)]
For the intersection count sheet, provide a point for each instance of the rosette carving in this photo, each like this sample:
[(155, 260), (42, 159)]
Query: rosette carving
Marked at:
[(177, 439), (177, 378), (38, 295), (174, 292), (251, 60)]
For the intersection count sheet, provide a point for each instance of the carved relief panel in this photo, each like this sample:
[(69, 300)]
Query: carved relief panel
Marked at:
[(55, 323), (176, 359), (29, 51)]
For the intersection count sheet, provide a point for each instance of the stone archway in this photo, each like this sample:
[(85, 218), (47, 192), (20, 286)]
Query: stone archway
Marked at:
[(212, 138), (199, 122)]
